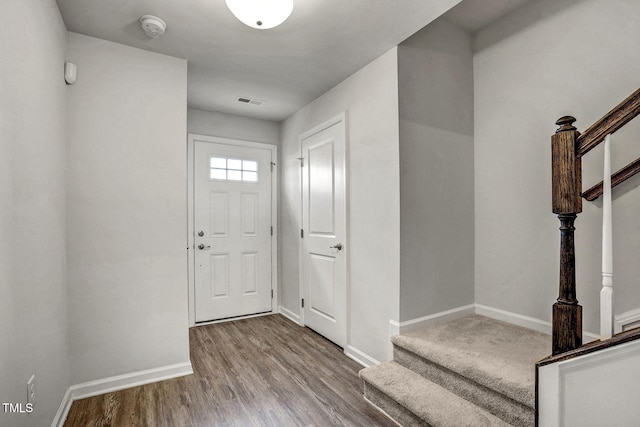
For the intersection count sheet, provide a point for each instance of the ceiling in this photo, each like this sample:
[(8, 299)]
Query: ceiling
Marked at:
[(473, 15), (322, 43)]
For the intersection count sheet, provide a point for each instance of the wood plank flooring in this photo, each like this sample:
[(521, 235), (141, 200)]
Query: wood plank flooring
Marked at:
[(263, 371)]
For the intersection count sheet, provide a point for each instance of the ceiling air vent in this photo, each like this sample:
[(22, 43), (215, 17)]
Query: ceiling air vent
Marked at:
[(245, 100)]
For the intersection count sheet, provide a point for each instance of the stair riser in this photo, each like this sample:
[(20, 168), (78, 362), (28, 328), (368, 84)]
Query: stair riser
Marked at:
[(501, 406)]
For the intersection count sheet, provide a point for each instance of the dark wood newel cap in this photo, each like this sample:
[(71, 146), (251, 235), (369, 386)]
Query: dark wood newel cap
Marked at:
[(565, 123)]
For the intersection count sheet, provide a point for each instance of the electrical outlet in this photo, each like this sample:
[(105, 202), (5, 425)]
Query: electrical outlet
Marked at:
[(31, 390)]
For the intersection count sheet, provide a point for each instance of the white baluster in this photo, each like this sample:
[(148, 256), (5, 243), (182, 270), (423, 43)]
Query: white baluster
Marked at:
[(606, 294)]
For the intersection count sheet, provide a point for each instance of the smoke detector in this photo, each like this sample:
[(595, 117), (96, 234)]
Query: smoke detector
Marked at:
[(153, 26)]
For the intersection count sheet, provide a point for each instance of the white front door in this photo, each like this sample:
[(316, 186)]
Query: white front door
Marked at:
[(324, 263), (233, 226)]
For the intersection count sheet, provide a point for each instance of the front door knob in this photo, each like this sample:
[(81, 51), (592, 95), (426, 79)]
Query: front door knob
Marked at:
[(337, 246), (202, 247)]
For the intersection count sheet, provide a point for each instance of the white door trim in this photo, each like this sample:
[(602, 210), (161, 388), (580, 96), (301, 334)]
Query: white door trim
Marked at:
[(342, 117), (191, 140)]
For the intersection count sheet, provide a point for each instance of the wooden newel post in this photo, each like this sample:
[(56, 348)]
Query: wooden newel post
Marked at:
[(566, 169)]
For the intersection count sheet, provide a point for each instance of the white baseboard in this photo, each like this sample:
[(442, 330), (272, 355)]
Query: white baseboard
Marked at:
[(514, 318), (627, 320), (63, 410), (397, 328), (119, 382), (432, 319), (290, 315), (360, 356), (524, 321), (494, 313)]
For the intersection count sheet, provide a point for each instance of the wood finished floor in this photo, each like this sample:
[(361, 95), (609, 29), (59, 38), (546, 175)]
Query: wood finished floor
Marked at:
[(263, 371)]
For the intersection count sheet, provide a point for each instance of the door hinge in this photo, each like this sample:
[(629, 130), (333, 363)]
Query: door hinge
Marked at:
[(272, 165), (272, 230), (301, 233), (302, 302), (301, 161), (271, 293)]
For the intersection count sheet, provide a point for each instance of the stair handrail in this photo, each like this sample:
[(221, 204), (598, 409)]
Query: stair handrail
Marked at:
[(619, 116), (617, 177), (567, 148)]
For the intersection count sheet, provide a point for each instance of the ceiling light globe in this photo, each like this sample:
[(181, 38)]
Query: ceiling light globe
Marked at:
[(261, 14)]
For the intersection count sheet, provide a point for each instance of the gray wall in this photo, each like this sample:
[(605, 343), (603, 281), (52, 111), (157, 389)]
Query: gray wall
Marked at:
[(435, 72), (370, 98), (231, 126), (548, 59), (126, 210), (33, 295)]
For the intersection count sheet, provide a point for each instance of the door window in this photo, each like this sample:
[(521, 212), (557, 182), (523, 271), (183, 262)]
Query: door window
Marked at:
[(225, 169)]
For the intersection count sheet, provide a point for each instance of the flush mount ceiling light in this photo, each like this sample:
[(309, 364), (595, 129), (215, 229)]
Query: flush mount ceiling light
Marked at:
[(261, 14)]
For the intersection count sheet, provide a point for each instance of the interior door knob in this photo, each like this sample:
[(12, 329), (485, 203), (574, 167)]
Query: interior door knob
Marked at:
[(337, 246), (202, 247)]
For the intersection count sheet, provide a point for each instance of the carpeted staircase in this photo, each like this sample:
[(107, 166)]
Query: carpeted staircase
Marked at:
[(473, 371)]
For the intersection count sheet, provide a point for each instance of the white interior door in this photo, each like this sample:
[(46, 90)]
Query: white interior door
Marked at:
[(324, 263), (233, 230)]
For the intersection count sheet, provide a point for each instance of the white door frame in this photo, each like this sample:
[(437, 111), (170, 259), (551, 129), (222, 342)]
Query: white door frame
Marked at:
[(191, 234), (342, 117)]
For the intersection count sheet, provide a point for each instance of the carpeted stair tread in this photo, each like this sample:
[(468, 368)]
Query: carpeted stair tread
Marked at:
[(498, 404), (494, 354), (429, 402)]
